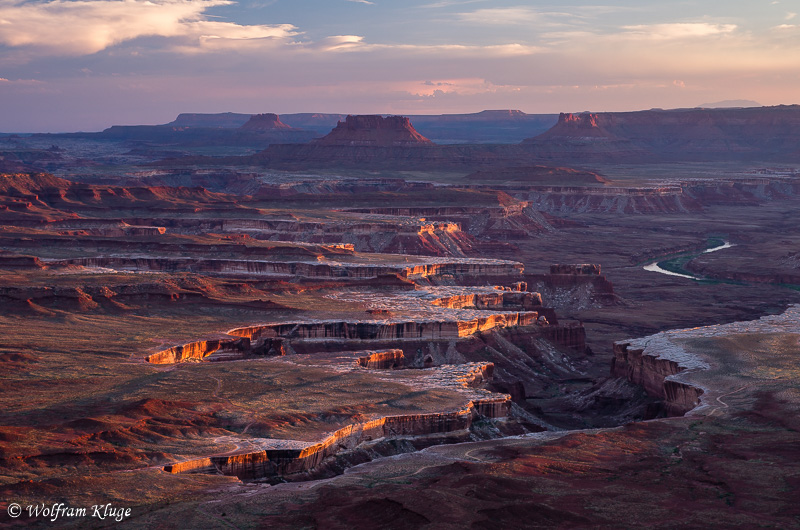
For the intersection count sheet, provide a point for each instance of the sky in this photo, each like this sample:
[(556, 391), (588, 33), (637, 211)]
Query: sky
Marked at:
[(70, 65)]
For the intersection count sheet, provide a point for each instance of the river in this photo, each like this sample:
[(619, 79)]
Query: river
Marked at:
[(653, 267)]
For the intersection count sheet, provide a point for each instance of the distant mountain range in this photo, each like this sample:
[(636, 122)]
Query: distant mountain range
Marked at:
[(730, 103), (761, 133), (488, 139), (654, 136), (488, 126)]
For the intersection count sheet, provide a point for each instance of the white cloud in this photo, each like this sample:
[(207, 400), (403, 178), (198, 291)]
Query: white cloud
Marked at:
[(790, 16), (456, 50), (339, 43), (363, 2), (448, 3), (62, 28), (460, 86), (356, 43), (21, 81), (679, 30), (501, 16), (80, 27)]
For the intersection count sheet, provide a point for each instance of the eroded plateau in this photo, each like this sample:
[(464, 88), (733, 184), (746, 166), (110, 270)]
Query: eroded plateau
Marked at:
[(371, 327)]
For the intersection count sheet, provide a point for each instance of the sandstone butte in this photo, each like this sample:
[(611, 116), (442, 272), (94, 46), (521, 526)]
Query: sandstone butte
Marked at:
[(377, 131), (265, 122)]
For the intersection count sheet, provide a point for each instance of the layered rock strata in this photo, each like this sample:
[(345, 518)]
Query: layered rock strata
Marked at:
[(383, 330), (283, 462), (656, 373), (486, 301), (381, 360), (236, 348), (311, 269), (438, 314)]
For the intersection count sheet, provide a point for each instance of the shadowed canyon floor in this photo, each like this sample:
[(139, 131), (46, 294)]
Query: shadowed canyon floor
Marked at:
[(236, 346)]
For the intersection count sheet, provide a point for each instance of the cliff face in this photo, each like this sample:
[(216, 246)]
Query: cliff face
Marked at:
[(339, 270), (380, 330), (200, 350), (578, 126), (653, 373), (375, 131), (501, 300), (382, 360), (282, 462)]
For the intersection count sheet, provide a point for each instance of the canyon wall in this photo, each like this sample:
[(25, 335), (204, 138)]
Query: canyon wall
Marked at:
[(382, 330), (653, 373), (200, 350), (283, 462), (501, 300), (406, 341), (340, 270)]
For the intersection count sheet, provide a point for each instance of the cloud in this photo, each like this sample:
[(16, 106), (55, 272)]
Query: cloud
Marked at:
[(82, 27), (501, 16), (678, 30), (362, 2), (460, 86), (448, 3), (21, 82), (790, 16), (16, 87), (456, 50), (64, 28), (338, 43), (356, 43), (520, 15)]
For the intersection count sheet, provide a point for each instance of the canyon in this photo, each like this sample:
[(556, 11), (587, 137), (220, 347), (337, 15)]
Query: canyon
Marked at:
[(324, 320)]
